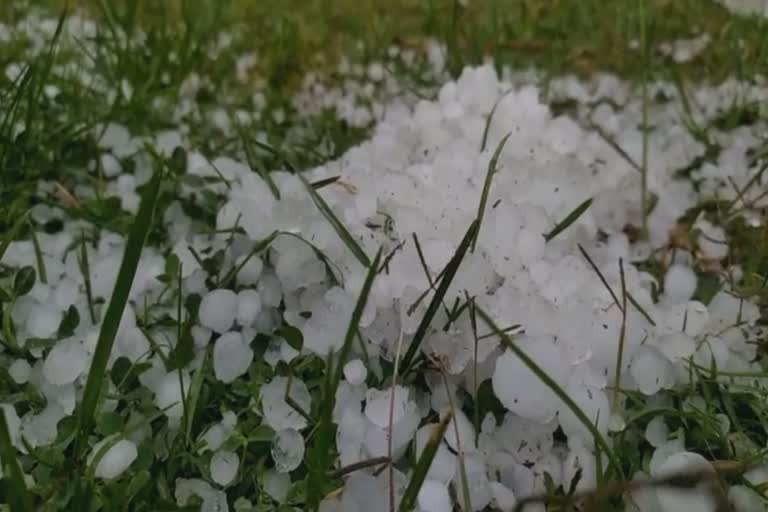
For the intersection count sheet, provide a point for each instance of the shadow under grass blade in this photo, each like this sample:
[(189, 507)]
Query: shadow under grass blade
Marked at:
[(136, 239)]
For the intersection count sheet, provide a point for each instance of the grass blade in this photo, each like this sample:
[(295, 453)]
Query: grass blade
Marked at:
[(257, 248), (18, 497), (195, 388), (488, 121), (319, 452), (449, 273), (568, 220), (600, 275), (355, 321), (317, 185), (487, 185), (133, 248), (337, 225), (622, 336), (555, 387), (85, 269), (408, 502), (38, 256), (12, 234)]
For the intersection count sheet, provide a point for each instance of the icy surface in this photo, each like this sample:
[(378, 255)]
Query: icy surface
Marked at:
[(287, 450)]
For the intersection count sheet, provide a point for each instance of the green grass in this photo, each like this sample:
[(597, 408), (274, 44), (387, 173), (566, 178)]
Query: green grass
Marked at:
[(59, 140)]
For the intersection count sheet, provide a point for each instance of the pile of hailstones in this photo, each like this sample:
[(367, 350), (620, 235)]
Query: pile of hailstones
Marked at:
[(422, 172)]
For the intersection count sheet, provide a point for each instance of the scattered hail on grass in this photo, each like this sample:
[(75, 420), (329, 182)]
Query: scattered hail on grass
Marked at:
[(575, 288)]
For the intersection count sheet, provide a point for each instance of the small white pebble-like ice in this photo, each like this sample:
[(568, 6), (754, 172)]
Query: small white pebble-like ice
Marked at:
[(433, 497), (520, 390), (355, 372), (277, 485), (699, 499), (19, 371), (218, 310), (65, 362), (231, 357), (679, 283), (116, 460), (287, 450), (278, 413), (223, 467)]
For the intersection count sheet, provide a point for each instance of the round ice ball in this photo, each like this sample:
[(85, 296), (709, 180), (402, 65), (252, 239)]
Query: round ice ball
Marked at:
[(520, 390), (698, 499), (224, 465), (287, 450), (218, 310), (679, 283)]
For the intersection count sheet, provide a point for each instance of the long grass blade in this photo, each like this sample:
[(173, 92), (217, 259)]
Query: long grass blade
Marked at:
[(555, 387), (319, 452), (193, 398), (18, 496), (408, 502), (136, 240), (337, 225), (437, 299), (11, 235), (568, 220), (41, 271), (487, 185), (489, 120), (622, 336)]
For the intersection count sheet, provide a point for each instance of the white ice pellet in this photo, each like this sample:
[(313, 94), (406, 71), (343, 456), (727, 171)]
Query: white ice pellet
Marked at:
[(383, 407), (19, 371), (355, 372), (278, 414), (277, 485), (433, 497), (657, 432), (679, 283), (250, 271), (248, 307), (444, 464), (287, 450), (231, 357), (698, 499), (651, 370), (223, 467), (520, 390), (116, 460), (65, 362), (218, 310), (43, 321), (743, 499)]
